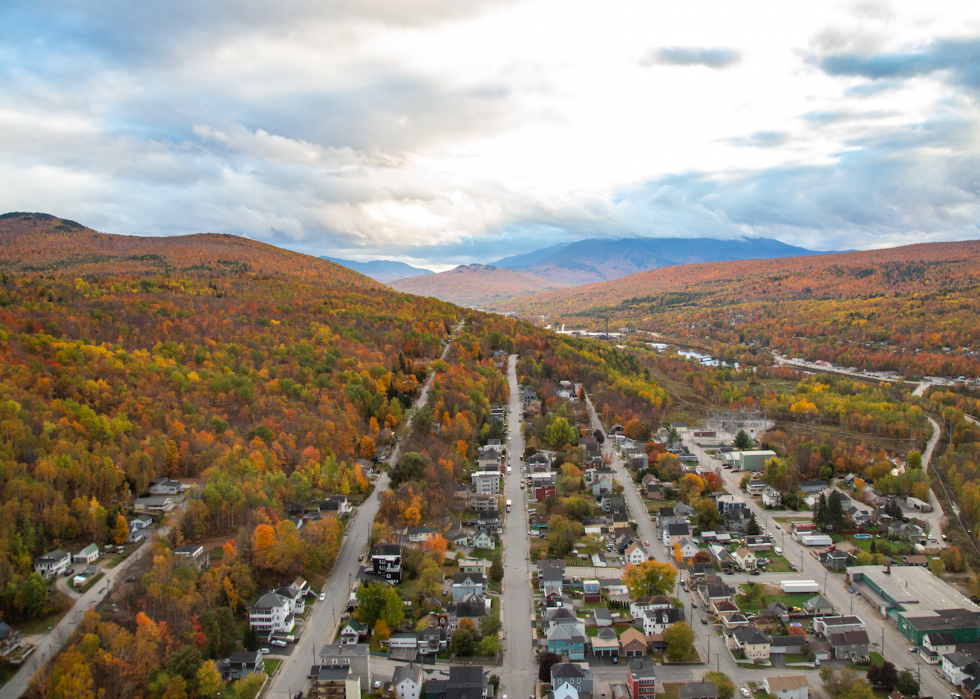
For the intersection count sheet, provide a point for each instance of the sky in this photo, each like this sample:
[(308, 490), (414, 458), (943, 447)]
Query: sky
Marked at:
[(439, 132)]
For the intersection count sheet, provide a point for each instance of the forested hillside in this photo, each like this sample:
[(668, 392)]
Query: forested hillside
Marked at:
[(475, 285), (44, 243)]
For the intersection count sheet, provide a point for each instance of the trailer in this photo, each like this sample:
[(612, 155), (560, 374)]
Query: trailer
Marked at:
[(794, 586), (816, 540)]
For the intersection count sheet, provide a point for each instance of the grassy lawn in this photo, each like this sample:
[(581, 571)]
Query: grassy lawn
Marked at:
[(796, 658), (793, 600), (271, 664), (777, 564), (6, 672), (35, 626), (671, 689)]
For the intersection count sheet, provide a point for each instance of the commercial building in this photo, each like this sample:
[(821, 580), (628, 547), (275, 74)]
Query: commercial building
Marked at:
[(918, 601)]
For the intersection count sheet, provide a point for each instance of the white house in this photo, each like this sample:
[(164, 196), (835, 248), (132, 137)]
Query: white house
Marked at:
[(744, 557), (656, 620), (407, 681), (165, 487), (772, 497), (787, 686), (954, 665), (156, 503), (688, 549), (483, 540), (635, 555), (89, 554), (272, 612), (140, 522), (52, 564), (642, 604), (486, 482)]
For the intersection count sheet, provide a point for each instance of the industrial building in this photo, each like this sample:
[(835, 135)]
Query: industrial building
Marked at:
[(918, 602)]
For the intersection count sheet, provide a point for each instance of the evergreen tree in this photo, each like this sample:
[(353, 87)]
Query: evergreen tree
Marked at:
[(835, 512), (251, 640), (742, 441), (752, 528), (874, 546), (820, 512)]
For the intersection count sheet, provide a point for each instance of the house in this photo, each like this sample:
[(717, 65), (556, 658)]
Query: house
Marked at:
[(334, 683), (813, 486), (418, 535), (777, 610), (787, 686), (354, 632), (272, 612), (336, 504), (386, 561), (566, 639), (650, 481), (165, 487), (821, 650), (10, 640), (641, 679), (724, 607), (407, 681), (563, 616), (744, 557), (466, 584), (783, 645), (758, 543), (730, 503), (241, 664), (474, 608), (906, 531), (954, 666), (656, 620), (672, 533), (752, 642), (632, 643), (605, 644), (433, 640), (755, 487), (688, 549), (403, 647), (89, 554), (156, 503), (190, 555), (135, 535), (592, 592), (734, 621), (549, 572), (634, 554), (818, 606), (852, 645), (52, 564), (465, 682), (579, 675), (356, 657), (835, 560), (483, 540), (140, 522), (937, 645), (836, 624), (698, 571), (642, 604), (602, 484), (698, 690), (712, 593), (474, 565), (489, 523), (486, 482), (772, 497)]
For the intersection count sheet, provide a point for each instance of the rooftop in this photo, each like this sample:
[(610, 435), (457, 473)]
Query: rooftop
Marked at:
[(787, 682)]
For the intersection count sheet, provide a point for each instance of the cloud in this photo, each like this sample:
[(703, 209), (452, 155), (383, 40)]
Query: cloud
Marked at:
[(763, 139), (960, 58), (718, 58)]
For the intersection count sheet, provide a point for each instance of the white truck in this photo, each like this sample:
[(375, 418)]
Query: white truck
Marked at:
[(508, 505)]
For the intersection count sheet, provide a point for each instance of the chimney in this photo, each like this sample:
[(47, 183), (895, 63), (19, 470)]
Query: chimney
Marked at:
[(888, 568)]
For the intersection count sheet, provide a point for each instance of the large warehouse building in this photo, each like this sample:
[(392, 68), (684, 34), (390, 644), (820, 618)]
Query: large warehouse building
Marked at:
[(918, 601)]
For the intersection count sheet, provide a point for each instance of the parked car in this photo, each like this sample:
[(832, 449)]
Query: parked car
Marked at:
[(745, 692), (704, 621), (361, 557), (277, 642), (323, 596), (777, 526), (263, 650), (754, 572)]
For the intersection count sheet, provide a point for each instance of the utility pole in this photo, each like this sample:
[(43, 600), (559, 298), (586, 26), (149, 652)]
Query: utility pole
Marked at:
[(718, 662), (882, 640)]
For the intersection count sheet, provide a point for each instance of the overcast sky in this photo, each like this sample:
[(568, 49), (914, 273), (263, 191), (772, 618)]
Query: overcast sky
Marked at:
[(441, 132)]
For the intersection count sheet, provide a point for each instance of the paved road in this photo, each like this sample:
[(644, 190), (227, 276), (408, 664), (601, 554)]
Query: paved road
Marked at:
[(519, 671), (51, 643), (322, 620)]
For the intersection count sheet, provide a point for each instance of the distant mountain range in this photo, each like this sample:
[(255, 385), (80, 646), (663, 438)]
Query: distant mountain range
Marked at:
[(381, 270), (475, 285), (602, 259)]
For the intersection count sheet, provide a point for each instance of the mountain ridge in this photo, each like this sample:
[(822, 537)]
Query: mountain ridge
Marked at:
[(383, 271), (474, 285), (39, 242), (605, 259)]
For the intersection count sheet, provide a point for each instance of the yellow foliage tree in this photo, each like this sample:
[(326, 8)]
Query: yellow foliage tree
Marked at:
[(381, 632)]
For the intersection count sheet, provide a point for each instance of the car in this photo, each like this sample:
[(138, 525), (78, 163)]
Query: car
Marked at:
[(323, 596), (912, 649), (277, 642), (792, 567), (263, 650), (975, 599), (704, 621), (646, 543), (945, 538), (777, 526), (754, 572), (377, 684), (954, 695), (694, 605), (361, 557), (745, 692), (615, 662)]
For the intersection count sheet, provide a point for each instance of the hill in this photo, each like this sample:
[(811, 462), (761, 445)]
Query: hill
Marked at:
[(475, 285), (34, 242), (381, 270), (600, 259)]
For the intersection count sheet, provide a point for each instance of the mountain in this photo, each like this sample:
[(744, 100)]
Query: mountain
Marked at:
[(601, 259), (928, 267), (34, 242), (381, 270), (474, 285)]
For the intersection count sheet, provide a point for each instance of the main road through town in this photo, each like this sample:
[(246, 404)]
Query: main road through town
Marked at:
[(519, 670), (323, 619)]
